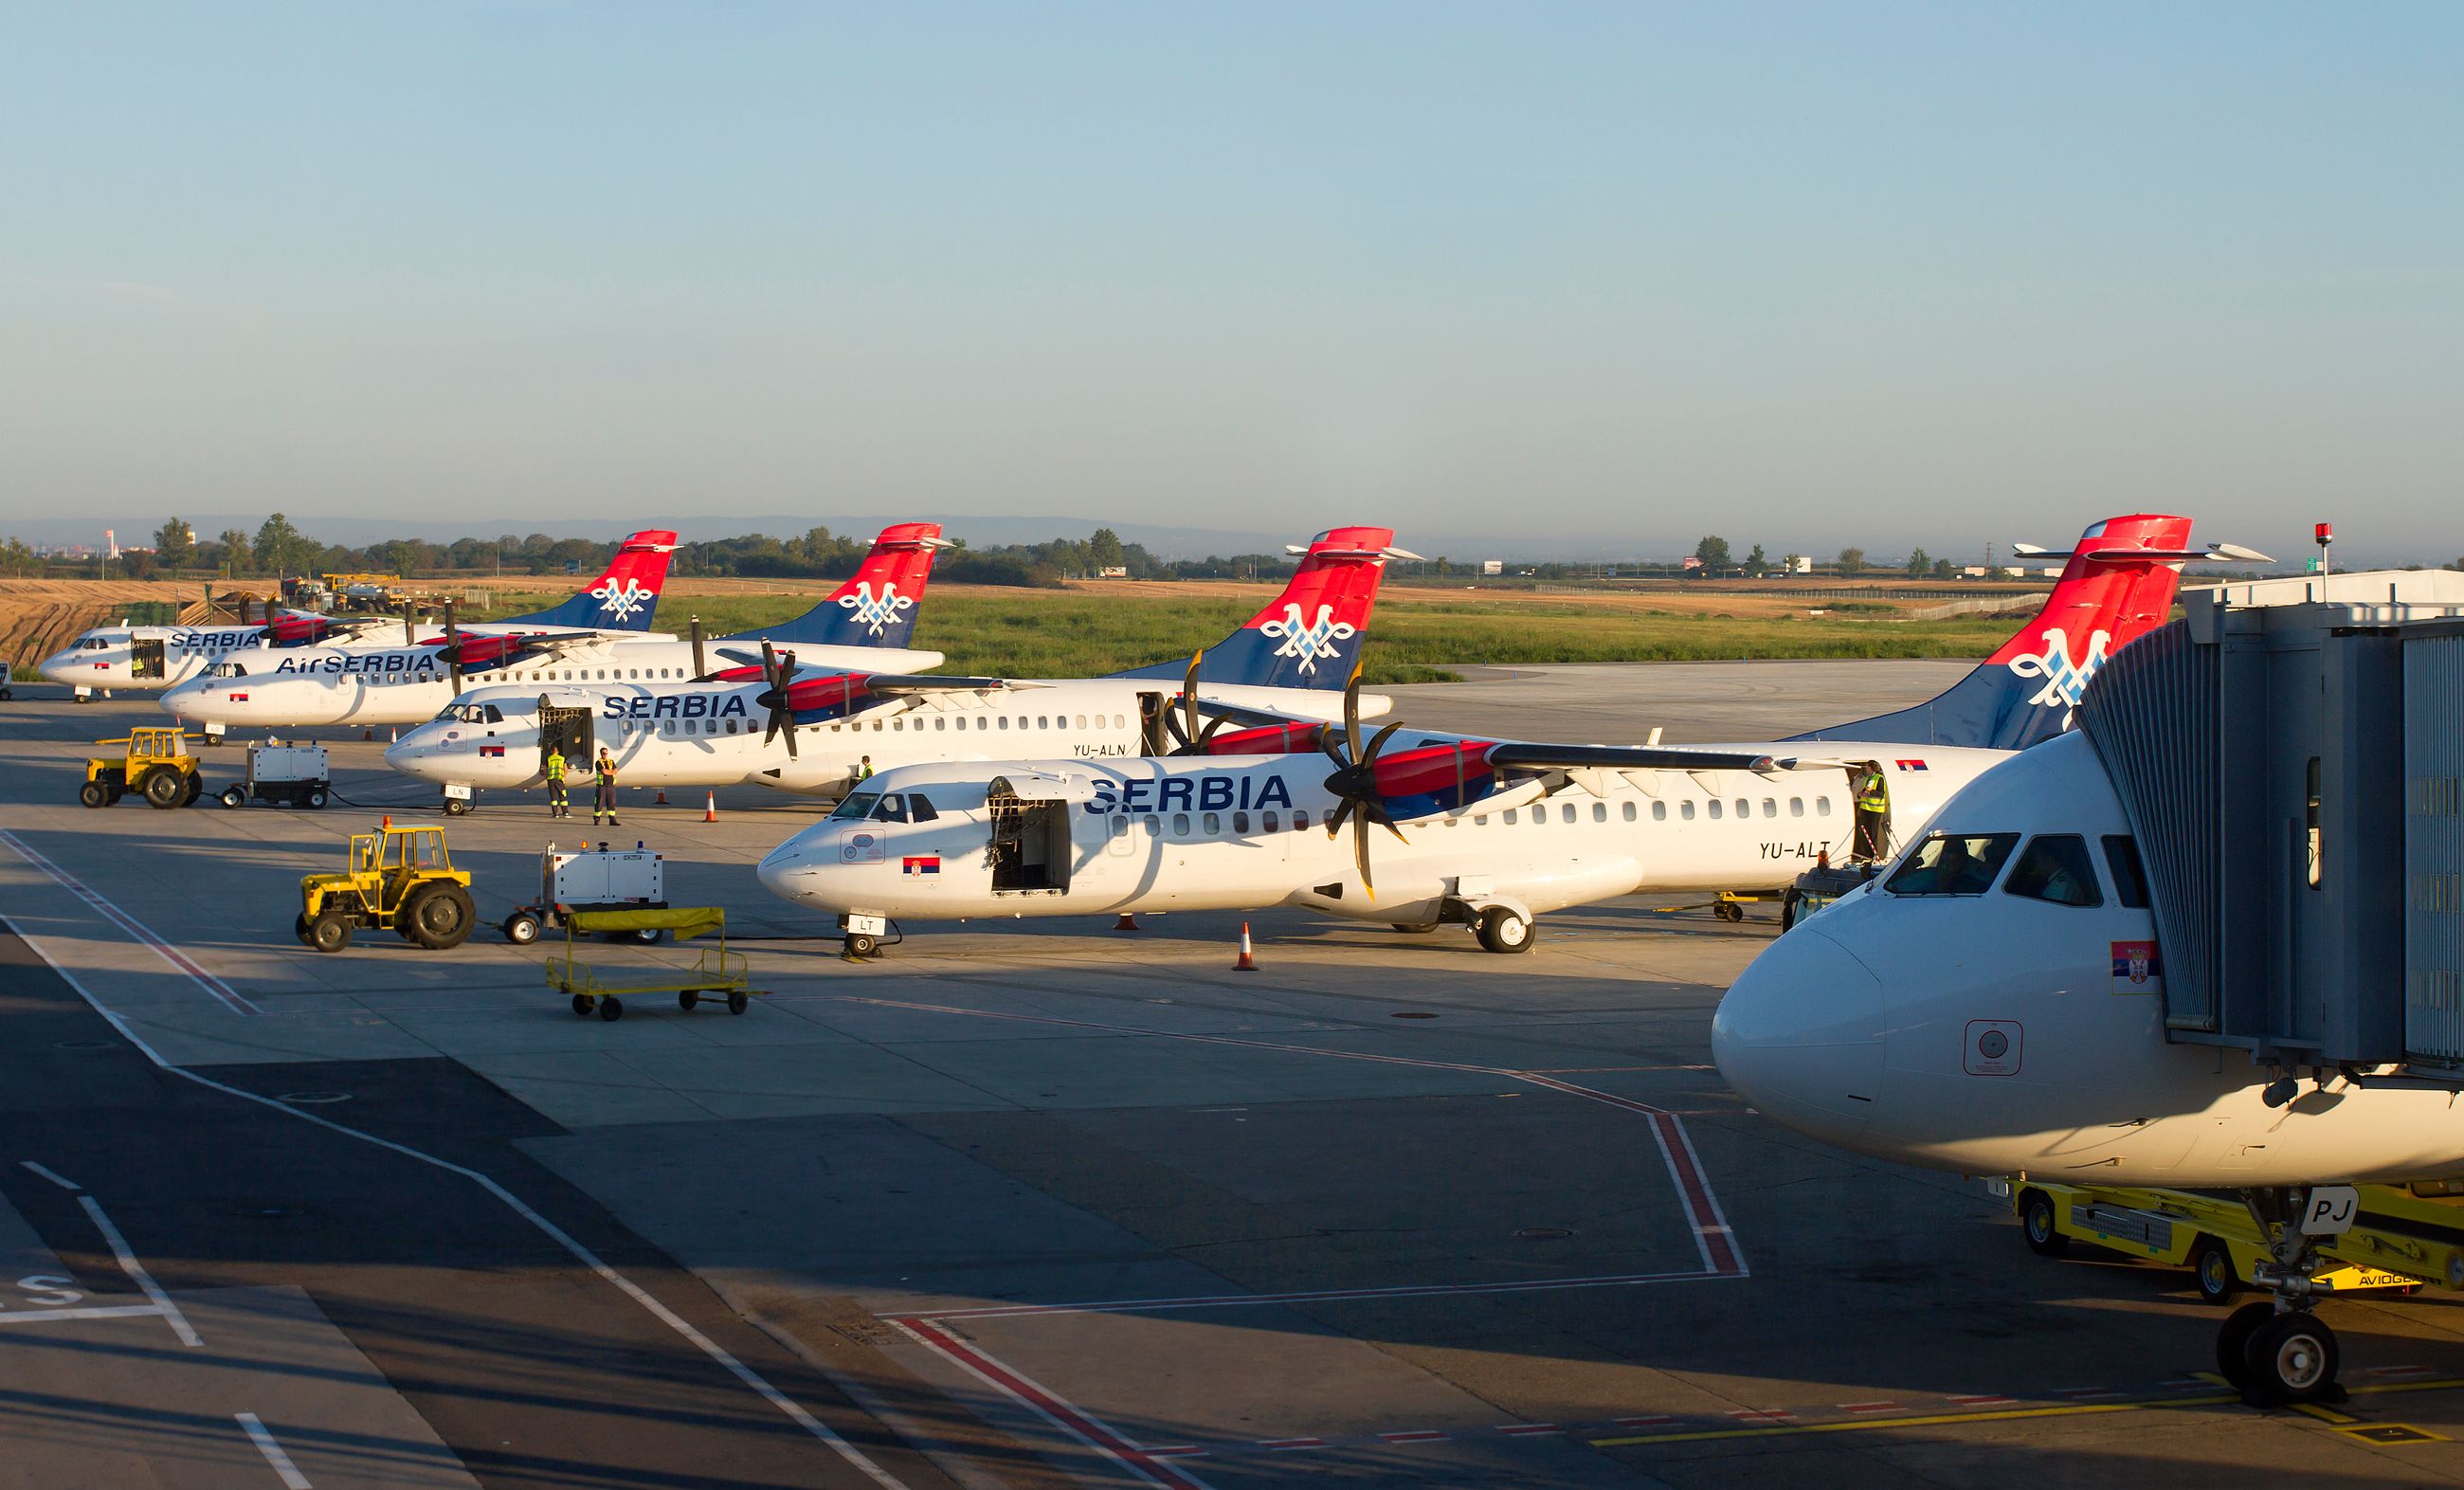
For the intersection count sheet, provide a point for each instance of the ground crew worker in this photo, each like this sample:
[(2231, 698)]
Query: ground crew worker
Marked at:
[(604, 804), (864, 770), (1873, 813), (556, 805)]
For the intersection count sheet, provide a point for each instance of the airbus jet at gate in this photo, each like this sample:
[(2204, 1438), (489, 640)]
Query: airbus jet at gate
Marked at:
[(863, 620), (621, 599), (804, 723), (1482, 833)]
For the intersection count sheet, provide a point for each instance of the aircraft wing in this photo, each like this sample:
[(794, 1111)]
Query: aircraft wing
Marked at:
[(907, 684), (1521, 755)]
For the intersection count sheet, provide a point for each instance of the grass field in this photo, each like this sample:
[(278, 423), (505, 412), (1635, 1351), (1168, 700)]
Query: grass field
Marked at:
[(1078, 634)]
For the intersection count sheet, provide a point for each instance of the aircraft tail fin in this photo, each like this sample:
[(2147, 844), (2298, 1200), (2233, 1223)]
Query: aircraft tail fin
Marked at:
[(621, 599), (876, 606), (2119, 583), (1309, 635)]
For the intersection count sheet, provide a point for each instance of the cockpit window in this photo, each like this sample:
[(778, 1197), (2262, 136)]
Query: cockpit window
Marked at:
[(94, 644), (1948, 863), (919, 810), (892, 808), (2055, 867), (857, 805), (230, 670), (2121, 856)]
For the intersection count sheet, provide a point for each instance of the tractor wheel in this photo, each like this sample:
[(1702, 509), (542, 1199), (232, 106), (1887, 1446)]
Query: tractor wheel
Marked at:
[(438, 917), (165, 789), (95, 794), (329, 932), (196, 789), (300, 929)]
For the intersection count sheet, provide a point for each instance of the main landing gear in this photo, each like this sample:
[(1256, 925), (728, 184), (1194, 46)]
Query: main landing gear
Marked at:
[(2279, 1351)]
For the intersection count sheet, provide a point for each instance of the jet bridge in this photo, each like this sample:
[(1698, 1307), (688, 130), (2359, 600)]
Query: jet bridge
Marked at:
[(2290, 757)]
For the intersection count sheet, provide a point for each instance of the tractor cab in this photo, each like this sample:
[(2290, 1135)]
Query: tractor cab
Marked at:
[(399, 880)]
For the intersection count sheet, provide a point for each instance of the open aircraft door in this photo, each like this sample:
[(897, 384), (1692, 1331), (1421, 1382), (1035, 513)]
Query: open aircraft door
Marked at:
[(145, 657), (1030, 813), (567, 730)]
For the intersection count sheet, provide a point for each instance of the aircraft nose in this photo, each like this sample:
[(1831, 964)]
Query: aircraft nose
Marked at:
[(787, 868), (1799, 1035), (61, 667)]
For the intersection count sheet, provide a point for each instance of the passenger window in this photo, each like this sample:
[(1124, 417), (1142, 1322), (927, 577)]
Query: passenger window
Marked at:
[(940, 722), (919, 809), (892, 808), (1599, 812), (1181, 825), (1771, 806), (1685, 809), (1660, 812), (898, 723), (1082, 722), (1745, 808), (1300, 822), (730, 726), (1566, 811), (1509, 818), (1004, 719), (1211, 824), (1042, 722), (1796, 806), (1715, 807), (1821, 807), (1628, 814), (1120, 827), (2055, 867), (1954, 865), (2130, 883), (1155, 826), (1240, 823), (1272, 822)]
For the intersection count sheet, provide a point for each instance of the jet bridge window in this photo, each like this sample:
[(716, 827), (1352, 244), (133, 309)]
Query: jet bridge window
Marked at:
[(2121, 856), (1954, 865), (2055, 867)]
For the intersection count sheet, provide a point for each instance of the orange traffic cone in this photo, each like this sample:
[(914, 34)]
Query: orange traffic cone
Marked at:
[(1247, 963), (709, 808), (1125, 923), (663, 798), (397, 736)]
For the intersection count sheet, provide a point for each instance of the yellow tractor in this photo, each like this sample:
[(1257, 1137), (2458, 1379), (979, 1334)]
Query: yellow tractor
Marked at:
[(154, 762), (397, 880)]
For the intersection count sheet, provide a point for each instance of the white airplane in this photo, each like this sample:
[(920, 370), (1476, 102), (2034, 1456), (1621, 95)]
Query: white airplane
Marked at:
[(1501, 831), (799, 723), (860, 623), (621, 599)]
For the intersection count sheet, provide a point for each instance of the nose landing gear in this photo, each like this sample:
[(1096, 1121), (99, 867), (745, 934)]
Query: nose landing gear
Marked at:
[(2279, 1351)]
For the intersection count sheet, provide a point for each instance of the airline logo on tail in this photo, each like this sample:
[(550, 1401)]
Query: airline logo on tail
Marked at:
[(621, 604), (874, 612), (1309, 640), (2064, 680)]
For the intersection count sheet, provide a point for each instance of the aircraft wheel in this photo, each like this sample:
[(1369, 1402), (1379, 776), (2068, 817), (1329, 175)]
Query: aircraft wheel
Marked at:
[(581, 1006), (2211, 1268), (612, 1010), (862, 944), (2290, 1358), (234, 796), (522, 928), (2235, 1334), (1727, 910), (329, 932), (1503, 931), (688, 1000), (95, 794), (456, 806), (2036, 1224), (165, 789)]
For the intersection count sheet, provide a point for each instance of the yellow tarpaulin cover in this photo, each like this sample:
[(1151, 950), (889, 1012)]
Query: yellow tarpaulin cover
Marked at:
[(682, 922)]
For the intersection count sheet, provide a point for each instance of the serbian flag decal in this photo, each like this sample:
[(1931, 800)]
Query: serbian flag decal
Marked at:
[(928, 864), (496, 751), (1909, 765)]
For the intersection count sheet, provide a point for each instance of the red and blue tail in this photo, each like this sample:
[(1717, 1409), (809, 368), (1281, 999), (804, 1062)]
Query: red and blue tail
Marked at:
[(876, 608), (1309, 635), (2117, 584), (623, 599)]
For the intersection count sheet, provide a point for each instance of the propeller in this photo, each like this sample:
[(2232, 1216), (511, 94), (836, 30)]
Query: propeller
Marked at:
[(701, 669), (1355, 782), (452, 650), (776, 671), (409, 634), (1184, 723)]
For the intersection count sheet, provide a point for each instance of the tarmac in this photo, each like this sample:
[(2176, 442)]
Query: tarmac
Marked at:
[(1034, 1204)]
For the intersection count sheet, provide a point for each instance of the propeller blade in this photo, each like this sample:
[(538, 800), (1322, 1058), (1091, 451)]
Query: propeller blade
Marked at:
[(701, 669), (1378, 742), (1360, 854), (1352, 711), (1334, 819), (1189, 701), (409, 634)]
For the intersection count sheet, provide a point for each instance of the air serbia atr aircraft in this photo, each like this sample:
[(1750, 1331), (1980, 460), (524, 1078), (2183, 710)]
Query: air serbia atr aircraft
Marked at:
[(802, 720), (866, 617), (1499, 831), (621, 599)]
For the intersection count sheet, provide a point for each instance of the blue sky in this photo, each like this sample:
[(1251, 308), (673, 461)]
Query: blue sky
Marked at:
[(1804, 274)]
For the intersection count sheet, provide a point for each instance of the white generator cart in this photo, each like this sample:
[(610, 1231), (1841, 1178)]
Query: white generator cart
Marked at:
[(592, 880), (298, 775)]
